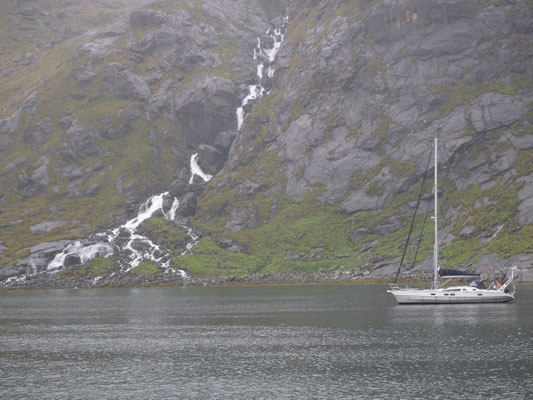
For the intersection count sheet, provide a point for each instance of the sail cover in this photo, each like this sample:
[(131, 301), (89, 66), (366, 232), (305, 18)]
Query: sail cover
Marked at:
[(455, 272)]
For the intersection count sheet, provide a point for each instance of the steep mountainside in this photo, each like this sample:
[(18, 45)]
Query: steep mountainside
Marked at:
[(322, 176)]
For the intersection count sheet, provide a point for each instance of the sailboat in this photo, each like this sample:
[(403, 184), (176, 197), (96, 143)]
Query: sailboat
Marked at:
[(439, 293)]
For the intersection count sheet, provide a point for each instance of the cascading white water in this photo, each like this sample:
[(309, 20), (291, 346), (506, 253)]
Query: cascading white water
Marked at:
[(265, 57), (137, 247), (196, 170), (79, 253)]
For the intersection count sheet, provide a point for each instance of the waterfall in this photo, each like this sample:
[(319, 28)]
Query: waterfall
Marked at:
[(125, 239), (196, 170), (265, 55)]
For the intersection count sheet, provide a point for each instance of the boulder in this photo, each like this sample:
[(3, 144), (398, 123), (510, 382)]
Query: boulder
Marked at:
[(38, 134), (211, 157), (46, 226), (179, 187), (206, 108), (124, 84), (223, 140), (388, 226), (36, 182), (83, 143), (187, 206), (114, 128), (84, 74)]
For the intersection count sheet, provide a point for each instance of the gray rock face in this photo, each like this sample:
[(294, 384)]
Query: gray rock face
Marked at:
[(187, 206), (84, 74), (114, 129), (147, 18), (46, 226), (83, 143), (9, 125), (38, 134), (240, 220), (206, 108), (125, 84), (354, 114), (494, 110), (211, 157), (36, 182)]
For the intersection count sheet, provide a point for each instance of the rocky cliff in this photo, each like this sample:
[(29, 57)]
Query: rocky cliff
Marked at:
[(323, 175)]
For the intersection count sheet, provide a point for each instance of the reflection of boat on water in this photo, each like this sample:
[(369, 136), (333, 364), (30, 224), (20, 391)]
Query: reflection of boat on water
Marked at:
[(476, 292)]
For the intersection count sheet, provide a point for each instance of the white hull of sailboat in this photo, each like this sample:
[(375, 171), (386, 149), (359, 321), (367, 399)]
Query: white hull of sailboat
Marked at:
[(450, 296)]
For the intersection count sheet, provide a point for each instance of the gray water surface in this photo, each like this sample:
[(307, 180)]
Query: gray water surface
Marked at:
[(260, 342)]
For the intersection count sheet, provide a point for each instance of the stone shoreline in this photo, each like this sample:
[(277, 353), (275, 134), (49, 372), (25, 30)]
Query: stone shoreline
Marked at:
[(164, 280)]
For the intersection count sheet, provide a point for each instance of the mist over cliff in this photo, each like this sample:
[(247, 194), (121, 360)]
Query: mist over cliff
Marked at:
[(312, 119)]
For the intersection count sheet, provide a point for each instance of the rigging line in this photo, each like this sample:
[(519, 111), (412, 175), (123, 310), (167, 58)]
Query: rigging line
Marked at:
[(414, 216), (421, 234)]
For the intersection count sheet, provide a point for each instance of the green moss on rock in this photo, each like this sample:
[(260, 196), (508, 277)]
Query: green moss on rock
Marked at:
[(146, 268)]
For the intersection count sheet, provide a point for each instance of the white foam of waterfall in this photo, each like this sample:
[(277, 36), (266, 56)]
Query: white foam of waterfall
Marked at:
[(196, 170), (150, 251), (194, 241), (84, 253), (265, 57), (173, 209), (254, 92)]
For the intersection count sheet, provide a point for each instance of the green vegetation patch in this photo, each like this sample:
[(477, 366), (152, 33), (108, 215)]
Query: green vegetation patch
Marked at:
[(101, 266), (161, 232), (146, 268), (208, 259)]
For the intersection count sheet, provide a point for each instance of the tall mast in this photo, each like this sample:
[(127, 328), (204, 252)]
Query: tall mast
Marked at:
[(436, 242)]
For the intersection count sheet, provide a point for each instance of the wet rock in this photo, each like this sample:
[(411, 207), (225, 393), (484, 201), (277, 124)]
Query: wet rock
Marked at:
[(9, 272), (187, 206), (224, 140), (206, 108), (179, 187), (211, 157)]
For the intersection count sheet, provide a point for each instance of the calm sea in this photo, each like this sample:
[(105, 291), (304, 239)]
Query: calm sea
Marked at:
[(260, 342)]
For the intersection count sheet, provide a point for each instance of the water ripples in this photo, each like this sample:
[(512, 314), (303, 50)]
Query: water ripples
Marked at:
[(339, 341)]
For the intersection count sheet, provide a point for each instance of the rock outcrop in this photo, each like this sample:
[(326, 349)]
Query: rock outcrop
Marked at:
[(325, 170)]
